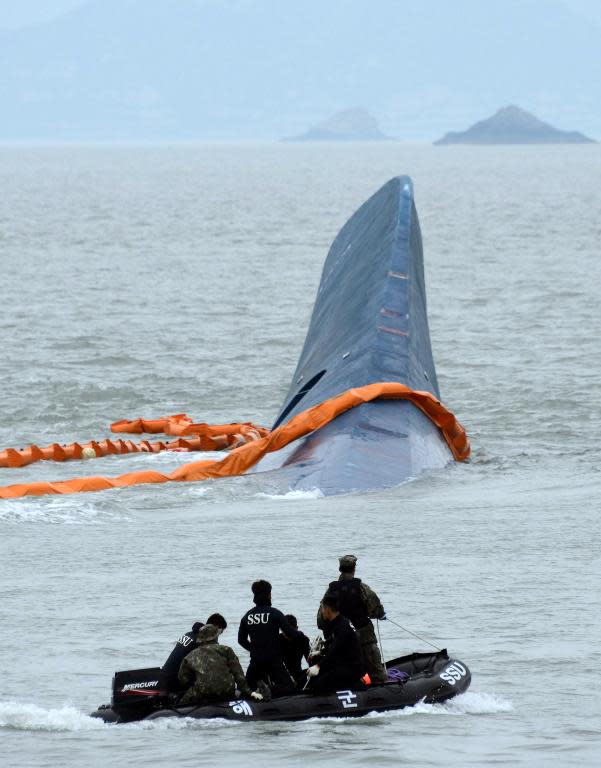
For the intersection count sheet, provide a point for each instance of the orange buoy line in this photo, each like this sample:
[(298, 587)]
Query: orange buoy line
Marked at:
[(242, 458), (182, 425), (204, 437)]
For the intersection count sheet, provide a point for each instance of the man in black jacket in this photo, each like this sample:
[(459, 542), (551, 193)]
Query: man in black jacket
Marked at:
[(341, 664), (259, 635), (294, 650), (185, 644)]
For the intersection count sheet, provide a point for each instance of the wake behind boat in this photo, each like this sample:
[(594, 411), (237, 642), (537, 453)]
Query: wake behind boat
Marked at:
[(429, 677)]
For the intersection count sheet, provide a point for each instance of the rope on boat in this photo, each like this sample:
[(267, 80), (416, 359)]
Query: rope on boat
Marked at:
[(380, 641), (400, 626), (240, 459)]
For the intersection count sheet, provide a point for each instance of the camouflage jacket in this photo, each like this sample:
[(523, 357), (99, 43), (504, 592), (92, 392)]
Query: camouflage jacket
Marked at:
[(211, 670), (373, 605)]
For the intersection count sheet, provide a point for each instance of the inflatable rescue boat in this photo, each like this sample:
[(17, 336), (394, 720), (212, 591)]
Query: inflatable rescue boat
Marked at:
[(429, 677)]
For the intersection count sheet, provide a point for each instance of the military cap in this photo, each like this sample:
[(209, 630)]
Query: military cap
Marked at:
[(347, 561)]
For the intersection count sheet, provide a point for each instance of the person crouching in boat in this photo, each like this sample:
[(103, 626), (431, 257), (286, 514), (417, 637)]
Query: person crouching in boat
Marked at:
[(184, 645), (341, 663), (294, 650), (212, 671)]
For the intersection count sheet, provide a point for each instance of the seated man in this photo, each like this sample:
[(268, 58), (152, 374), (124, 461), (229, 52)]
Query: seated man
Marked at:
[(294, 649), (341, 664), (168, 680), (212, 671)]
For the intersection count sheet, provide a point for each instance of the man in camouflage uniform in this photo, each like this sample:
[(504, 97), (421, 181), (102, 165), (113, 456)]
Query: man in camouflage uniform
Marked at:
[(360, 605), (212, 671)]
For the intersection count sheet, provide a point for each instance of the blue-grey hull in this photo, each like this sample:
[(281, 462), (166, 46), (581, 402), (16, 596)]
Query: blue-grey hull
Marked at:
[(369, 324), (375, 445)]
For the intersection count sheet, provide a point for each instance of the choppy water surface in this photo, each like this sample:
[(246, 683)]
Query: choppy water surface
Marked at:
[(142, 282)]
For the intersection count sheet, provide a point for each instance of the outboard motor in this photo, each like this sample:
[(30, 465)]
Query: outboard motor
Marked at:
[(136, 692)]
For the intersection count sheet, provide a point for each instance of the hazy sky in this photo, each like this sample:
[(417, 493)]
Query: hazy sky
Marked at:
[(16, 13), (190, 69)]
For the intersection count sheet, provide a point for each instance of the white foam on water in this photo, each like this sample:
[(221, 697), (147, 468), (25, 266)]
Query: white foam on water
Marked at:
[(181, 724), (198, 491), (314, 493), (20, 716), (57, 510), (29, 717), (176, 457), (473, 703), (469, 703)]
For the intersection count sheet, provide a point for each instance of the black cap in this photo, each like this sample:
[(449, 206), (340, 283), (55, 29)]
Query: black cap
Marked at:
[(217, 620)]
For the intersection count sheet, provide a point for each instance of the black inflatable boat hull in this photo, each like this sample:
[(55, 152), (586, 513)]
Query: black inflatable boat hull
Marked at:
[(433, 678), (369, 324)]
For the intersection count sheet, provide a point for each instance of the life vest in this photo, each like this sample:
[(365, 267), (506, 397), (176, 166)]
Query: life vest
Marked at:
[(350, 601)]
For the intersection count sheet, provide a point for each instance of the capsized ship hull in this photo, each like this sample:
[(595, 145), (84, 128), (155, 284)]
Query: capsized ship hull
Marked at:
[(369, 324)]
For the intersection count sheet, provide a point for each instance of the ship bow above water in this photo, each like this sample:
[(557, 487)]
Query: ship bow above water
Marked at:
[(369, 325)]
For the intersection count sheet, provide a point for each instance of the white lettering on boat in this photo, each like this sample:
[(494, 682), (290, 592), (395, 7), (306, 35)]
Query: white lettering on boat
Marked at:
[(241, 707), (148, 684), (348, 699), (453, 673)]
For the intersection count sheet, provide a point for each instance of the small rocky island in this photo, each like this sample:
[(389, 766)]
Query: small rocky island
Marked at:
[(512, 125), (349, 125)]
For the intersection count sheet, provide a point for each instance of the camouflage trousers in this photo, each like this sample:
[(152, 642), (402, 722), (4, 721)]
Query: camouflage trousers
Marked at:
[(372, 659)]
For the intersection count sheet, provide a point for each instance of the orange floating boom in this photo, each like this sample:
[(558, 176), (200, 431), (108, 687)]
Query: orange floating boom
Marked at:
[(241, 459), (181, 424), (205, 437)]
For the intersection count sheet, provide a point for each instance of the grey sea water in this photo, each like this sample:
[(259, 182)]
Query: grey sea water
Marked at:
[(148, 281)]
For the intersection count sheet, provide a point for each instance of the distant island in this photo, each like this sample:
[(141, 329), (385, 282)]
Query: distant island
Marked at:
[(512, 125), (349, 125)]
